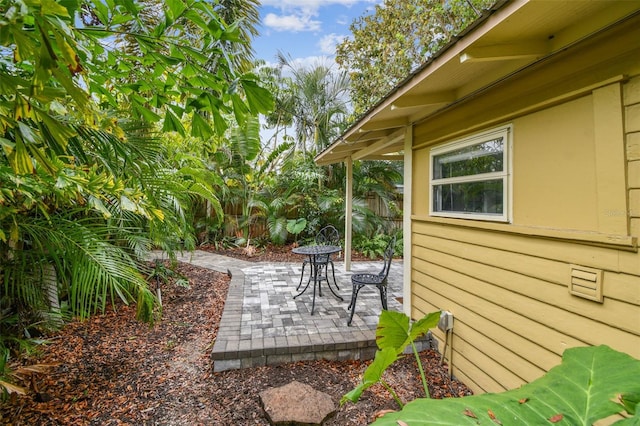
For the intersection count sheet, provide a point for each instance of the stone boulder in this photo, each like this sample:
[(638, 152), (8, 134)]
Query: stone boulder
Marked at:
[(296, 404)]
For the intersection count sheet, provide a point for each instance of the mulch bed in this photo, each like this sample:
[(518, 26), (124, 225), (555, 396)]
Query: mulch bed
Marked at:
[(270, 253), (114, 370)]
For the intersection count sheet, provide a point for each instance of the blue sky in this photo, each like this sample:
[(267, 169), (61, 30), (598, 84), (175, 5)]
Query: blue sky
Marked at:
[(306, 30)]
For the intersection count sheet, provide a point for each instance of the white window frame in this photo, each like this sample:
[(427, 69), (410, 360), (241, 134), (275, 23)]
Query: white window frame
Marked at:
[(506, 133)]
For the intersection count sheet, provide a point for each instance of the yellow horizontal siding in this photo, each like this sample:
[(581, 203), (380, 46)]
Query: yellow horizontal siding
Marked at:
[(488, 266), (514, 316), (517, 370), (504, 326), (482, 369), (623, 287), (478, 381), (631, 92), (629, 262), (469, 373), (508, 291), (632, 118), (464, 291), (558, 251), (541, 311), (634, 202), (633, 146), (635, 226), (617, 286), (633, 174)]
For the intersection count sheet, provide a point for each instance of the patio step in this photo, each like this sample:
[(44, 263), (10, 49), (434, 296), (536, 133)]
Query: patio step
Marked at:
[(262, 324), (317, 347), (236, 354), (252, 336)]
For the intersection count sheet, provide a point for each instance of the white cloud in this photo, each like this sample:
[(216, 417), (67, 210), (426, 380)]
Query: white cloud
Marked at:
[(291, 23), (297, 15), (312, 62), (343, 20), (327, 44), (307, 62), (309, 6)]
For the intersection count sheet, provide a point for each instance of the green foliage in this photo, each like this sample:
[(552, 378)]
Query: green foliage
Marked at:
[(373, 375), (373, 247), (631, 402), (296, 226), (62, 72), (282, 183), (396, 39), (86, 189), (162, 273), (246, 12), (295, 195), (6, 375), (313, 101), (14, 338), (394, 333), (585, 388), (591, 384)]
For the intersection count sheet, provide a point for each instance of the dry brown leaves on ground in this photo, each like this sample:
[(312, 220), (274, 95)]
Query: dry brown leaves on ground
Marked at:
[(270, 253), (114, 370)]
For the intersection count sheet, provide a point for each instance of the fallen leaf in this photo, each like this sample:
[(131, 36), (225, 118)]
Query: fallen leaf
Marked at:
[(493, 417), (381, 413), (36, 368), (523, 400), (469, 413), (111, 368), (11, 388), (556, 418)]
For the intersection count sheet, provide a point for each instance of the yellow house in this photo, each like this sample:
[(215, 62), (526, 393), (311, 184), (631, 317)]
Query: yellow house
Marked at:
[(521, 147)]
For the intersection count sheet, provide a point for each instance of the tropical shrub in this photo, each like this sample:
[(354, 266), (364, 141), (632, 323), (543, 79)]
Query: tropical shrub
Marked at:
[(591, 384), (394, 333), (373, 247), (370, 247), (86, 189)]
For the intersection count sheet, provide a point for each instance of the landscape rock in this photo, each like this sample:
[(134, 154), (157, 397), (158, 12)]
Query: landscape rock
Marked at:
[(296, 404)]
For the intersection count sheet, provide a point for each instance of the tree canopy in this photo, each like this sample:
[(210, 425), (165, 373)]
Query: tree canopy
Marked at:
[(315, 98), (397, 38), (86, 188)]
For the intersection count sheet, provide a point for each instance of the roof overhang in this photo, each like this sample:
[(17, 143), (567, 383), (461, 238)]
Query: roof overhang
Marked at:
[(508, 38)]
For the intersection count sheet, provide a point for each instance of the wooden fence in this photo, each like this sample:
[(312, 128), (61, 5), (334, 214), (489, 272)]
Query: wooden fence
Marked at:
[(258, 228)]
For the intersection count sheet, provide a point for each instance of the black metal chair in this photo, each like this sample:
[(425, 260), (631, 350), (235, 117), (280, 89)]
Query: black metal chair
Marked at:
[(329, 236), (378, 280)]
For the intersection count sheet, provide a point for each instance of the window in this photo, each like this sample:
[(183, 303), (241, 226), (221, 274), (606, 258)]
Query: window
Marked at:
[(470, 177)]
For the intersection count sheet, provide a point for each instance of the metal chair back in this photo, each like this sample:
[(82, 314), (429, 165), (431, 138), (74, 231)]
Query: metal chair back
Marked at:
[(379, 280), (328, 236), (388, 256)]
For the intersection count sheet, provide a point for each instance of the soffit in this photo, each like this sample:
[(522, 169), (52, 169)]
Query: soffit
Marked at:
[(507, 39)]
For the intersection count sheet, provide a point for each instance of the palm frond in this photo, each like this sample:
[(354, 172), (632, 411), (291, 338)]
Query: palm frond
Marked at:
[(94, 270)]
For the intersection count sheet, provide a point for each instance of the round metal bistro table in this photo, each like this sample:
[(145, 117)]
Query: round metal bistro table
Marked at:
[(314, 252)]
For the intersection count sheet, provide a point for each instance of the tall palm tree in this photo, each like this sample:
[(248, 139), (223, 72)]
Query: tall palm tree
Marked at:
[(235, 162), (318, 100), (281, 118), (245, 14)]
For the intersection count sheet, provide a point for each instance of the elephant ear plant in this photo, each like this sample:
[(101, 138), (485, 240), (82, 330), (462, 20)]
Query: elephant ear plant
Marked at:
[(394, 333), (590, 385)]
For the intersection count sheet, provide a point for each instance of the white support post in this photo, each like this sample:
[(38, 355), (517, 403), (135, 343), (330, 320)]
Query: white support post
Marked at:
[(406, 219), (348, 214)]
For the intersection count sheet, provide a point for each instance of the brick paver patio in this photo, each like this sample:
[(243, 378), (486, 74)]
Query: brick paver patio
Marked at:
[(262, 323)]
